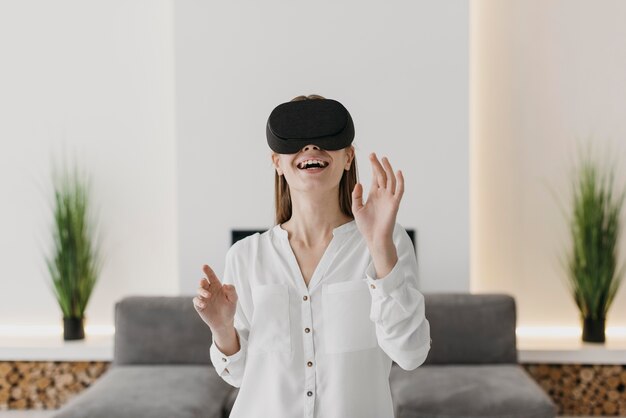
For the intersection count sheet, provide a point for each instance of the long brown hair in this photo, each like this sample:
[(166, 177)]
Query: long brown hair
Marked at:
[(282, 195)]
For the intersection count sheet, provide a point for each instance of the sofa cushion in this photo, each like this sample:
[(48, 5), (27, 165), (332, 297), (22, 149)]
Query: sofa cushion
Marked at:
[(471, 328), (503, 391), (159, 391)]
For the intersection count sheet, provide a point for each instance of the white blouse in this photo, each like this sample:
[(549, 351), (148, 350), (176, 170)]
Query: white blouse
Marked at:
[(322, 351)]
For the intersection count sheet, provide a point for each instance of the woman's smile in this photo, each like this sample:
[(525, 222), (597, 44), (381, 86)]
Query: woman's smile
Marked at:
[(313, 170), (312, 165)]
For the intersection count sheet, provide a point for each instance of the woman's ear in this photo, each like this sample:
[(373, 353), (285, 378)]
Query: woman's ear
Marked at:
[(275, 163), (350, 156)]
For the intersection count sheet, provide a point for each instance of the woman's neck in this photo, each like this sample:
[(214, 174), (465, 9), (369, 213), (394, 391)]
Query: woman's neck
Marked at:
[(314, 216)]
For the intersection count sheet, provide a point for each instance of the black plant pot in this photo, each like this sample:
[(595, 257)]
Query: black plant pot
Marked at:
[(74, 328), (593, 329)]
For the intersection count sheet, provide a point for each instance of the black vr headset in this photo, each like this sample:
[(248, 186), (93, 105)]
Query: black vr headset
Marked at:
[(323, 122)]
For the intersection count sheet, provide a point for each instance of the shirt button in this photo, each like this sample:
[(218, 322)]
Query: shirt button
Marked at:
[(307, 330), (223, 359), (372, 286), (309, 363), (309, 393), (305, 297)]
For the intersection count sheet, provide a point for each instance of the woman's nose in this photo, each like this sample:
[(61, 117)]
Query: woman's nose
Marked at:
[(310, 146)]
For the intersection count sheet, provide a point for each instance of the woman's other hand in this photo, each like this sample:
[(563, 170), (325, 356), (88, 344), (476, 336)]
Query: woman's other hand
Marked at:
[(376, 218), (216, 302)]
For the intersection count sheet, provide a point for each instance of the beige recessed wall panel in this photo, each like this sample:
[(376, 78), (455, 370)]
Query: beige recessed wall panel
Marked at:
[(544, 75)]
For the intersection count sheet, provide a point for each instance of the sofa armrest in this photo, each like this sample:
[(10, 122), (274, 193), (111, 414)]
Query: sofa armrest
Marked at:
[(471, 328), (160, 330)]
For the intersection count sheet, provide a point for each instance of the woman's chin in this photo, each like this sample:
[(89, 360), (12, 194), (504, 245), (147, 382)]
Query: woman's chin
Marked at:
[(312, 171), (315, 184)]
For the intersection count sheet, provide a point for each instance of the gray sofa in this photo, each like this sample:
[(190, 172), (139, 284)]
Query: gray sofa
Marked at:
[(161, 365)]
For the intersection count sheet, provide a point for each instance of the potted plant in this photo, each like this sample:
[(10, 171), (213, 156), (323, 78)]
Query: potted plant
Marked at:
[(594, 229), (74, 264)]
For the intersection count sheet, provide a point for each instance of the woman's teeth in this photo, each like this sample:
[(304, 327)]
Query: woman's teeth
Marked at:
[(312, 164)]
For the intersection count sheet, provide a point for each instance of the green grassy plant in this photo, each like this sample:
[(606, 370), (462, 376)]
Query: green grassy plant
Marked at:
[(594, 228), (74, 264)]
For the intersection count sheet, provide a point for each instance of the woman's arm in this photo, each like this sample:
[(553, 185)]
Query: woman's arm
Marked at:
[(229, 346), (397, 305), (402, 329), (227, 341)]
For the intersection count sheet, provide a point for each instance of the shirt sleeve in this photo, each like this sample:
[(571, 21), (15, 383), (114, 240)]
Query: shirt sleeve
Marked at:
[(402, 329), (231, 368)]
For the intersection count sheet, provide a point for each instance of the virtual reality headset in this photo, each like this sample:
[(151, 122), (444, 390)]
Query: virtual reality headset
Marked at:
[(322, 122)]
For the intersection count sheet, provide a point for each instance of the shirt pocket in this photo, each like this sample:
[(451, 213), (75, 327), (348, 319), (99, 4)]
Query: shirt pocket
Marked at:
[(270, 327), (345, 310)]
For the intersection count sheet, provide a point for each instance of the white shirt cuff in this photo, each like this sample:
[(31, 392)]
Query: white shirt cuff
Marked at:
[(382, 287), (220, 360)]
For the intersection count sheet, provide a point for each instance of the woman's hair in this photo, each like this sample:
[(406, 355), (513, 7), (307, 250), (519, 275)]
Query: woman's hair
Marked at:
[(282, 195)]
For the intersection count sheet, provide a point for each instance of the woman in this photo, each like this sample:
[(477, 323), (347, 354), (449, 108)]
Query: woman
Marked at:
[(310, 314)]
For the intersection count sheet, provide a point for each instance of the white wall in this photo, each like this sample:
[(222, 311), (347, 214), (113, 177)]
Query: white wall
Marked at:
[(544, 75), (402, 71), (99, 77)]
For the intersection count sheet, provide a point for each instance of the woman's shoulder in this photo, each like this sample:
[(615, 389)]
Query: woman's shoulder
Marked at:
[(242, 245), (248, 245)]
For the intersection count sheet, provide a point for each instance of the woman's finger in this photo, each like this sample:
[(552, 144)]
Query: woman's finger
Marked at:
[(204, 299), (198, 303), (231, 293), (374, 185), (203, 292), (400, 188), (391, 179), (378, 173), (357, 198), (210, 274)]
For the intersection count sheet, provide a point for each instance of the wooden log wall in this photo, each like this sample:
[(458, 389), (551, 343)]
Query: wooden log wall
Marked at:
[(578, 390), (45, 384), (592, 390)]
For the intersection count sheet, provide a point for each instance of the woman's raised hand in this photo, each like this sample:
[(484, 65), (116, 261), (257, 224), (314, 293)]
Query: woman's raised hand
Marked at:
[(376, 218), (216, 302)]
